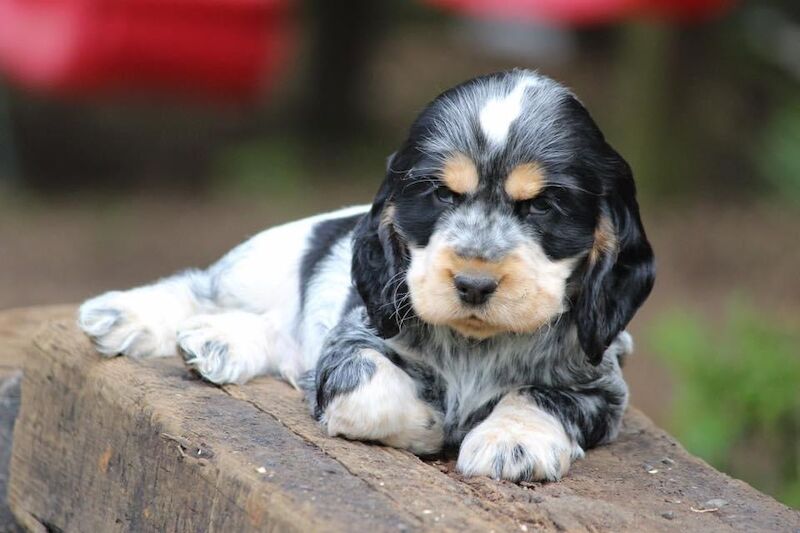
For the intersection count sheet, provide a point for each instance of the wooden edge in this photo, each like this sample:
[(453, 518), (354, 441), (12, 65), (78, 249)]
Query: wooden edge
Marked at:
[(18, 327), (114, 445), (9, 406), (644, 481)]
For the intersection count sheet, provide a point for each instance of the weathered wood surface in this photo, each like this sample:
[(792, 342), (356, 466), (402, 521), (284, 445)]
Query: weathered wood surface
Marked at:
[(16, 330), (123, 445), (9, 406)]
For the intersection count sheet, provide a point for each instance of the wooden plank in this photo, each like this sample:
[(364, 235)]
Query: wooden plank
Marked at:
[(118, 445), (9, 406), (631, 485), (17, 327), (433, 497)]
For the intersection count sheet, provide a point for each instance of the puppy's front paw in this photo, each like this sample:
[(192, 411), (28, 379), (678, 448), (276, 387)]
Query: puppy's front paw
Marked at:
[(518, 442), (235, 346), (371, 399), (126, 323), (206, 344)]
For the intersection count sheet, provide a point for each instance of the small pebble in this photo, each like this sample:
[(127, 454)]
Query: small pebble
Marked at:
[(650, 468), (523, 527), (667, 461), (261, 470), (669, 515), (716, 502)]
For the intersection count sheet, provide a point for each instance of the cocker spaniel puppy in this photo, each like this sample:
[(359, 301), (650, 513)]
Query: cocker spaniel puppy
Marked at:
[(479, 303)]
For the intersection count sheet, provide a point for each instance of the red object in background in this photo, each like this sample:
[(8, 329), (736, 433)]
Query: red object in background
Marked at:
[(224, 49), (586, 12)]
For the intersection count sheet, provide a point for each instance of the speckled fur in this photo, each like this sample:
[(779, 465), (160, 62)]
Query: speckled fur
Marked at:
[(351, 307)]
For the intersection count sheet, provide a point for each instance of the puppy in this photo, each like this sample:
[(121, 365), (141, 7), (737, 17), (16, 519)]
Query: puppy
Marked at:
[(479, 303)]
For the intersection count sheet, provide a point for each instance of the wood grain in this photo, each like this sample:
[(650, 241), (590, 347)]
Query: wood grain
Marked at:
[(125, 445)]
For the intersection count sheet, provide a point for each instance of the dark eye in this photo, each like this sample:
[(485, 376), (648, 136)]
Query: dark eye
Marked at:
[(540, 205), (445, 195)]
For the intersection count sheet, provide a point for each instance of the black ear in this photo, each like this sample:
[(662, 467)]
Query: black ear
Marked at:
[(379, 257), (620, 269)]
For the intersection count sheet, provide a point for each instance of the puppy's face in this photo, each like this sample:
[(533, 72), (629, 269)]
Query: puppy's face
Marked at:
[(502, 206), (492, 246)]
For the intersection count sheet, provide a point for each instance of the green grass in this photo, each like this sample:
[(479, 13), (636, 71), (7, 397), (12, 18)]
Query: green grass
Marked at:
[(737, 396)]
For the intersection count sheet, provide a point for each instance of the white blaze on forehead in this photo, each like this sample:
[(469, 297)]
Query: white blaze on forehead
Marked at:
[(498, 114)]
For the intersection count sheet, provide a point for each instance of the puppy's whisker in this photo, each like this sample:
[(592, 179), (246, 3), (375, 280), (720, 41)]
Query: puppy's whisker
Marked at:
[(397, 283), (398, 303), (407, 314)]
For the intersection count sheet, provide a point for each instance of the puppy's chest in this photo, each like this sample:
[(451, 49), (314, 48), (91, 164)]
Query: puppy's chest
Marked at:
[(470, 380), (466, 384)]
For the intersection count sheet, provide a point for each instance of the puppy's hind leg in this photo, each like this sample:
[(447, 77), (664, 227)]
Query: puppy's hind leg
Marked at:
[(142, 322), (236, 346)]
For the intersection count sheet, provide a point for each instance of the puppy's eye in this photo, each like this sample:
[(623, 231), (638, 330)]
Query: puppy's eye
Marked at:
[(445, 195), (540, 205)]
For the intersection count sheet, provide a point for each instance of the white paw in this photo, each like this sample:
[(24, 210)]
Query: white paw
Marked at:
[(235, 346), (386, 409), (518, 442), (129, 323)]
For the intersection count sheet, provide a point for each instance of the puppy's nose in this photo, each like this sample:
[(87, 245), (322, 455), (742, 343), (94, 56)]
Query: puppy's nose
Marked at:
[(474, 289)]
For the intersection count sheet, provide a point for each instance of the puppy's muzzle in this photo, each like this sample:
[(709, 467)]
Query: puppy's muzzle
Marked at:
[(474, 289)]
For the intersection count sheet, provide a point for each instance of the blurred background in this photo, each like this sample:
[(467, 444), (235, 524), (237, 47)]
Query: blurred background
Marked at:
[(140, 137)]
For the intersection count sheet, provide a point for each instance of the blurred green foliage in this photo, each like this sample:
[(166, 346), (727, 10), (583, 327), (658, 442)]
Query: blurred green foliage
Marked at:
[(262, 165), (779, 151), (285, 166), (737, 394)]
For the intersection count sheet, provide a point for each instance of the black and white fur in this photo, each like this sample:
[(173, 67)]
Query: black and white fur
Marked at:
[(359, 306)]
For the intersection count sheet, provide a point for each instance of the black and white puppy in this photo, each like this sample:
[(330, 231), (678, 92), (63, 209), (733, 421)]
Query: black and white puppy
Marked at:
[(480, 302)]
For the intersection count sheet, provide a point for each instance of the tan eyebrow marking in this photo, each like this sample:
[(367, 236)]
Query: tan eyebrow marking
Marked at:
[(605, 239), (525, 181), (460, 174)]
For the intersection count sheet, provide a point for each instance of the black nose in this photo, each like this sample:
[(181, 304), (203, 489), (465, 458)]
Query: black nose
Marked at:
[(474, 290)]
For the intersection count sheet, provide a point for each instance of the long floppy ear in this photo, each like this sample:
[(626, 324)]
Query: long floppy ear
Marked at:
[(378, 258), (620, 269)]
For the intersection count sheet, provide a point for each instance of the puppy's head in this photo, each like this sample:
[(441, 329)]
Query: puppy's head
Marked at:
[(503, 209)]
